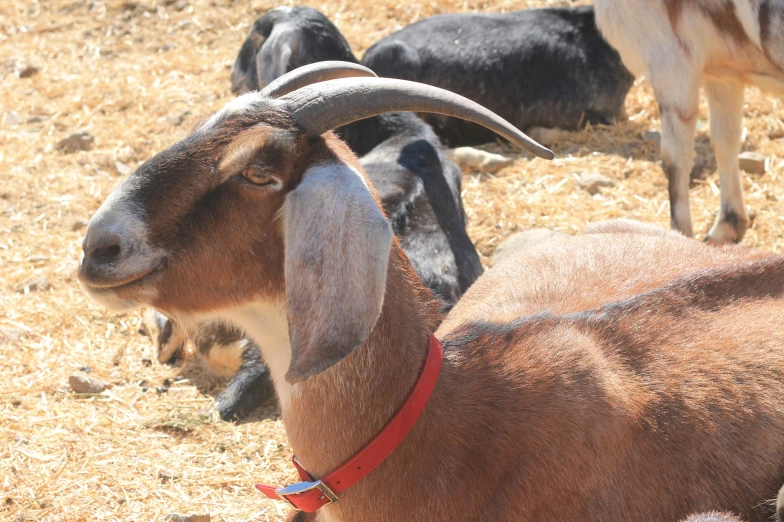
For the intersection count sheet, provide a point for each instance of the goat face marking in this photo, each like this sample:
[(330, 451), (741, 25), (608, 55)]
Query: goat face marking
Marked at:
[(178, 234)]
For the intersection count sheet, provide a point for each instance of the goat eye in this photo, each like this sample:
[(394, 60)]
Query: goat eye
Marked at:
[(259, 177)]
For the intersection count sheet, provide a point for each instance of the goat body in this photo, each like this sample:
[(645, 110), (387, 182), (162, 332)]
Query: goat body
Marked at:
[(681, 45), (538, 67), (578, 382)]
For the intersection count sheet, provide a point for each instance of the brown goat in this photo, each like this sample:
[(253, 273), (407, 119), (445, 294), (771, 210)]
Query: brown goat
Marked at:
[(625, 374)]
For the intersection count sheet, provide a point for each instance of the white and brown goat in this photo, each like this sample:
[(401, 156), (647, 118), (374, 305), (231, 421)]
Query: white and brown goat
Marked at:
[(578, 383), (681, 45)]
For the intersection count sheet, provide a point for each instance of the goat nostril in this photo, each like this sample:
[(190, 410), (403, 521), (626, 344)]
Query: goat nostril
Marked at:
[(105, 254)]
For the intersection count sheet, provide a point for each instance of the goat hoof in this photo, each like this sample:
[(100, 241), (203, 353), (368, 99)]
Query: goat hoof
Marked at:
[(232, 410), (728, 229)]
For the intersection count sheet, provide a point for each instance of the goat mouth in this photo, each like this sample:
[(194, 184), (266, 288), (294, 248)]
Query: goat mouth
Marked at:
[(122, 283)]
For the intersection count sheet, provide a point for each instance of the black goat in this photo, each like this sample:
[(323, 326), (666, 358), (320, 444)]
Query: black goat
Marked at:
[(537, 67), (419, 189)]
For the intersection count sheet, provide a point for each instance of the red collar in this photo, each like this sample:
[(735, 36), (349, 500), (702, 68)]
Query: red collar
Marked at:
[(310, 495)]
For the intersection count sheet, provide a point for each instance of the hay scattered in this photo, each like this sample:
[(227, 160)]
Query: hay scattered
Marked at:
[(136, 75)]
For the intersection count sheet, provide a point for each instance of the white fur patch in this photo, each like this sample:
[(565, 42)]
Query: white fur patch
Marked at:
[(266, 323), (239, 105)]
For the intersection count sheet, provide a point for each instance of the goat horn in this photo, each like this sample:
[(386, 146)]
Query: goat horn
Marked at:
[(328, 105), (314, 73)]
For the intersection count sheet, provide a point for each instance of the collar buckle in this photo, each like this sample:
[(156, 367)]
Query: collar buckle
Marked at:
[(303, 487)]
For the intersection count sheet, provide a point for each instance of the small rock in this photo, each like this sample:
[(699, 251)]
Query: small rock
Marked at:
[(37, 259), (24, 69), (85, 369), (167, 476), (9, 335), (37, 118), (545, 136), (186, 23), (38, 284), (162, 389), (180, 5), (11, 119), (523, 241), (81, 383), (168, 46), (167, 382), (652, 135), (593, 181), (78, 225), (478, 160), (177, 119), (187, 518), (122, 168), (753, 163), (75, 142)]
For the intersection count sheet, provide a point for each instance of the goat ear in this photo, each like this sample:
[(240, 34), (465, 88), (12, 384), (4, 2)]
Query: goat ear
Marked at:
[(272, 60), (337, 251)]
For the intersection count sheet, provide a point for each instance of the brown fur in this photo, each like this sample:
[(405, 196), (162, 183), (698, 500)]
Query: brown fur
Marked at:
[(721, 13), (641, 395), (625, 374)]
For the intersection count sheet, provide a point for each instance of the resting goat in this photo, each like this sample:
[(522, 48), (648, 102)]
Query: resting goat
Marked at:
[(418, 186), (577, 382), (419, 189), (681, 45), (538, 67)]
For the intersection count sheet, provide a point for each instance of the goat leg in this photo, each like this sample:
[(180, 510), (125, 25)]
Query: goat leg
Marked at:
[(678, 119), (248, 389), (725, 99)]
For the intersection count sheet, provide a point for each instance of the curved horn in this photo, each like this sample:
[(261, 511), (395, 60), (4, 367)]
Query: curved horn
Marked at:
[(331, 104), (314, 73)]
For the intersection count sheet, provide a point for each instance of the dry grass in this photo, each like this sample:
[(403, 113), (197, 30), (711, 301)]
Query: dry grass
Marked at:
[(120, 69)]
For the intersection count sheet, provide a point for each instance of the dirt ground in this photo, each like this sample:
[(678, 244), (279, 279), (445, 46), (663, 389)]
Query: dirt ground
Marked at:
[(136, 75)]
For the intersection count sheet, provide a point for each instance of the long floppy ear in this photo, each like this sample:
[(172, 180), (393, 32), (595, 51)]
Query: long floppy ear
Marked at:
[(272, 60), (337, 251)]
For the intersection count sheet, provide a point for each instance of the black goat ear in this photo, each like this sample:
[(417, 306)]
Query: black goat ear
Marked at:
[(337, 252), (243, 72)]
